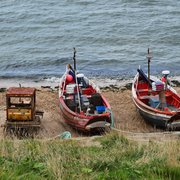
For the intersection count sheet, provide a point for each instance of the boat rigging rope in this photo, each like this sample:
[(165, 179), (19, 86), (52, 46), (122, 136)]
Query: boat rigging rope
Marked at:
[(112, 117)]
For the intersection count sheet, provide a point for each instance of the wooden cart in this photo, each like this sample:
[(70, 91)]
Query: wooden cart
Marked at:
[(21, 109)]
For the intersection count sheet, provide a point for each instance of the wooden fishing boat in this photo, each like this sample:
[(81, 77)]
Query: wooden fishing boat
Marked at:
[(82, 105), (157, 102)]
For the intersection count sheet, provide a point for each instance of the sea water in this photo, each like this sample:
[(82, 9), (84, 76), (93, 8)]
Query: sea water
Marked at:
[(111, 38)]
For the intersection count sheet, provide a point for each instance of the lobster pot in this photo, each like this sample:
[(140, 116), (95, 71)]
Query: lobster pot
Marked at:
[(70, 88), (158, 86)]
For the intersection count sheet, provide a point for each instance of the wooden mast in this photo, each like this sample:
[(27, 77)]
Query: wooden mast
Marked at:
[(77, 85), (74, 58), (149, 60)]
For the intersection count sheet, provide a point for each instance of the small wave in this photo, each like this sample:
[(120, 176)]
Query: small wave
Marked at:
[(37, 37), (53, 81), (104, 62)]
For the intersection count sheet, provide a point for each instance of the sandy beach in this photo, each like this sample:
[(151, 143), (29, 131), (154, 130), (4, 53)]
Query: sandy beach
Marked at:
[(126, 116)]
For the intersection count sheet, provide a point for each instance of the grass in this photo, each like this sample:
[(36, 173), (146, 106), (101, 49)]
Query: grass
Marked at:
[(114, 158)]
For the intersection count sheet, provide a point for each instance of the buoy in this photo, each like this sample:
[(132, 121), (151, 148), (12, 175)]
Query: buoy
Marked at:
[(163, 79), (69, 78)]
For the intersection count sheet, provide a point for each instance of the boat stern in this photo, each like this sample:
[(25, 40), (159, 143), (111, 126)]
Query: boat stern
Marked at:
[(102, 121), (98, 125), (174, 122)]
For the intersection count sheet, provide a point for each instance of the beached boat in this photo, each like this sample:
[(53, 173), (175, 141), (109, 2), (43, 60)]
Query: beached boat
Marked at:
[(82, 105), (157, 102)]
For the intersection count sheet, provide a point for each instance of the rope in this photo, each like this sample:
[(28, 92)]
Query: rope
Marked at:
[(64, 135), (112, 117), (135, 135)]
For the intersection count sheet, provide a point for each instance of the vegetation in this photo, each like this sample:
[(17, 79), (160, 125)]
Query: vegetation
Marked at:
[(114, 157)]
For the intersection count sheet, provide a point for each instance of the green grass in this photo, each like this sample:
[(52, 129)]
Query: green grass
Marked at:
[(114, 158)]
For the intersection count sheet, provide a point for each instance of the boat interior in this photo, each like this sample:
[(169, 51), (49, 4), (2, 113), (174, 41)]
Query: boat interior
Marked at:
[(152, 98), (156, 94), (82, 98)]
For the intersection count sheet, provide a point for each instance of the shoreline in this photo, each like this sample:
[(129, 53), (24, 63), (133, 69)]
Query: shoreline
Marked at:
[(126, 116), (103, 83)]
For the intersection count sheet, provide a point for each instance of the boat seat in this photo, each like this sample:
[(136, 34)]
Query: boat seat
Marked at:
[(87, 91), (167, 94), (143, 90), (148, 97), (142, 93), (69, 97), (144, 97)]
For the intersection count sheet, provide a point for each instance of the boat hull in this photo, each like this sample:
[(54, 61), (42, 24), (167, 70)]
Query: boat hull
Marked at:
[(83, 119), (160, 121), (85, 123), (169, 120), (155, 119)]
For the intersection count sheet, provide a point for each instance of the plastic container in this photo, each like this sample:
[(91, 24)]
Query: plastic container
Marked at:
[(158, 86), (80, 78), (100, 109), (70, 88), (154, 101)]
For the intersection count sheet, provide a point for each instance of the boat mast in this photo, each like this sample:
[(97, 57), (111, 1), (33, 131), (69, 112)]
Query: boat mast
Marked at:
[(77, 86), (74, 59), (149, 60)]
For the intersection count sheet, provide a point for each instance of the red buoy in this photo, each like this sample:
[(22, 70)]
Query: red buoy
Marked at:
[(69, 78), (163, 79)]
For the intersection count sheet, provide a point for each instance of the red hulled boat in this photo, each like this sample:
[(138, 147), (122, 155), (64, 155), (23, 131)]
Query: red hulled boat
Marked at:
[(82, 105), (157, 102)]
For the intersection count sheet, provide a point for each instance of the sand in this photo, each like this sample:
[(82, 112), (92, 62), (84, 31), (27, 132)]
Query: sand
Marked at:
[(126, 116)]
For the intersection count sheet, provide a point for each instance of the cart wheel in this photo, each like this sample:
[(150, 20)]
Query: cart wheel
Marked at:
[(37, 119)]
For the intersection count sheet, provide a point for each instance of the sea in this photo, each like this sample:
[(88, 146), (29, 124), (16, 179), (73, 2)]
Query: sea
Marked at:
[(111, 38)]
